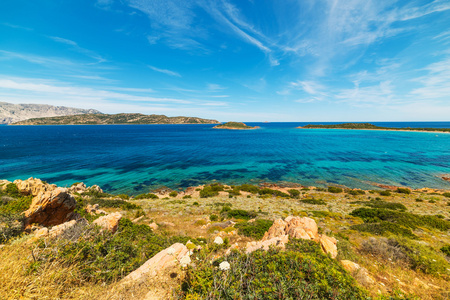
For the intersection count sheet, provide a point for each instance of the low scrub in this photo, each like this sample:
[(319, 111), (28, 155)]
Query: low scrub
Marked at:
[(384, 228), (115, 203), (238, 213), (356, 192), (211, 190), (294, 193), (403, 191), (382, 204), (313, 201), (272, 192), (255, 229), (146, 196), (335, 190), (300, 272)]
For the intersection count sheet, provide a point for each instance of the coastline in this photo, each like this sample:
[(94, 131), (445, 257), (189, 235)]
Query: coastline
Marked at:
[(390, 129)]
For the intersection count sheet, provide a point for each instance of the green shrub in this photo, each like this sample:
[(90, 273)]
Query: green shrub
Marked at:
[(105, 257), (294, 193), (18, 205), (116, 203), (213, 217), (146, 196), (313, 201), (382, 204), (446, 250), (446, 194), (249, 188), (320, 189), (272, 192), (255, 229), (356, 192), (211, 190), (173, 194), (431, 201), (272, 274), (335, 190), (385, 193), (403, 191), (187, 197), (419, 200), (239, 213), (384, 228), (12, 190), (195, 203), (11, 225), (409, 220)]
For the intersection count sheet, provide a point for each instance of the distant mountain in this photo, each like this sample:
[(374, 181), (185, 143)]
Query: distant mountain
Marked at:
[(93, 119), (10, 113)]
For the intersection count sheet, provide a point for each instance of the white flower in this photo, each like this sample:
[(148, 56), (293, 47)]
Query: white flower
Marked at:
[(224, 266), (171, 251), (185, 261), (218, 240)]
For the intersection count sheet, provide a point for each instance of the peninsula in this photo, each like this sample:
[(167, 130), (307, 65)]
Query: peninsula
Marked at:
[(368, 126), (107, 119), (235, 126)]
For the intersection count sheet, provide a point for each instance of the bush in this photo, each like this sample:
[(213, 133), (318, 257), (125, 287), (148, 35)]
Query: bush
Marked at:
[(105, 257), (403, 191), (255, 229), (173, 194), (294, 193), (356, 192), (211, 190), (146, 196), (313, 201), (382, 204), (11, 226), (335, 190), (123, 196), (116, 203), (405, 219), (384, 228), (239, 213), (446, 195), (12, 190), (18, 205), (213, 217), (248, 188), (272, 274), (385, 193), (187, 197), (274, 193), (446, 250)]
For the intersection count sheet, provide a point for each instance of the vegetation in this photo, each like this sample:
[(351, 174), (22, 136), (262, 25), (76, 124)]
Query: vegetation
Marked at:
[(254, 229), (274, 193), (313, 201), (382, 204), (272, 274), (369, 126), (356, 192), (92, 119), (403, 191), (294, 193), (234, 125), (335, 190), (211, 190), (173, 194), (385, 193), (146, 196)]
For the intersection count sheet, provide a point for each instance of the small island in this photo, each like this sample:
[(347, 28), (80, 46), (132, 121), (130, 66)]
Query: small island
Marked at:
[(106, 119), (368, 126), (235, 126)]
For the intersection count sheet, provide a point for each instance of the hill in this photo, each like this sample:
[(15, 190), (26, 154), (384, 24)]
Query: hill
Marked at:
[(10, 113), (104, 119), (369, 126), (235, 126)]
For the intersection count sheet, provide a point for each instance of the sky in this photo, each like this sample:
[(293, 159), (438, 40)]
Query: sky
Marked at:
[(242, 60)]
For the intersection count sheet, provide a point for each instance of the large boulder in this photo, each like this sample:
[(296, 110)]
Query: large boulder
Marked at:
[(276, 230), (279, 241), (78, 187), (109, 222), (51, 208), (328, 245), (296, 227), (33, 186), (156, 277), (3, 184)]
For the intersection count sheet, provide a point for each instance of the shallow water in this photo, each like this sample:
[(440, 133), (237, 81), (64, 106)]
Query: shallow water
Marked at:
[(136, 158)]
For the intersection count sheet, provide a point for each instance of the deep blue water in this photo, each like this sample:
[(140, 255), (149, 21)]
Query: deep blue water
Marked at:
[(137, 158)]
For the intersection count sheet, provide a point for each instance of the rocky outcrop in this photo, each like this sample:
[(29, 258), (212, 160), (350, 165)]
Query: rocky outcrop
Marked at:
[(79, 188), (94, 210), (350, 266), (33, 186), (3, 184), (158, 275), (69, 230), (109, 222), (51, 208), (294, 227)]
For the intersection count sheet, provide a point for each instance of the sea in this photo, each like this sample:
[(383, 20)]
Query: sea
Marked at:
[(137, 159)]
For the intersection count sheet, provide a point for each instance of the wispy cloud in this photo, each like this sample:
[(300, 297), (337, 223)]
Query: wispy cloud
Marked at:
[(165, 71), (17, 26), (79, 49)]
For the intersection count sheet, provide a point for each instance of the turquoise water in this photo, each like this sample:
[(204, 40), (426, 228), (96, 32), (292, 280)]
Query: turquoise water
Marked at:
[(137, 158)]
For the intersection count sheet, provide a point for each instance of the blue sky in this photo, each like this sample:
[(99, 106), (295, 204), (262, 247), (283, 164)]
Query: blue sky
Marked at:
[(246, 60)]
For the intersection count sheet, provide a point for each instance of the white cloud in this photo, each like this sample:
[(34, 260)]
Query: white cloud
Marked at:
[(164, 71), (79, 49)]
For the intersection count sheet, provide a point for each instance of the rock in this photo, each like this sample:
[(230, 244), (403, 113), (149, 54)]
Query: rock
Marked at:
[(225, 224), (251, 220), (33, 186), (218, 240), (153, 226), (350, 266), (79, 188), (279, 241), (170, 224), (328, 245), (109, 222), (364, 278), (43, 232), (51, 208), (96, 188), (138, 219), (159, 267), (3, 184), (94, 210), (276, 230), (302, 228)]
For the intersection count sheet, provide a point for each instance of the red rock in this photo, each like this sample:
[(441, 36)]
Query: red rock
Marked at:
[(51, 208), (279, 241), (33, 186), (109, 222), (350, 266), (328, 245), (276, 230), (302, 228)]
